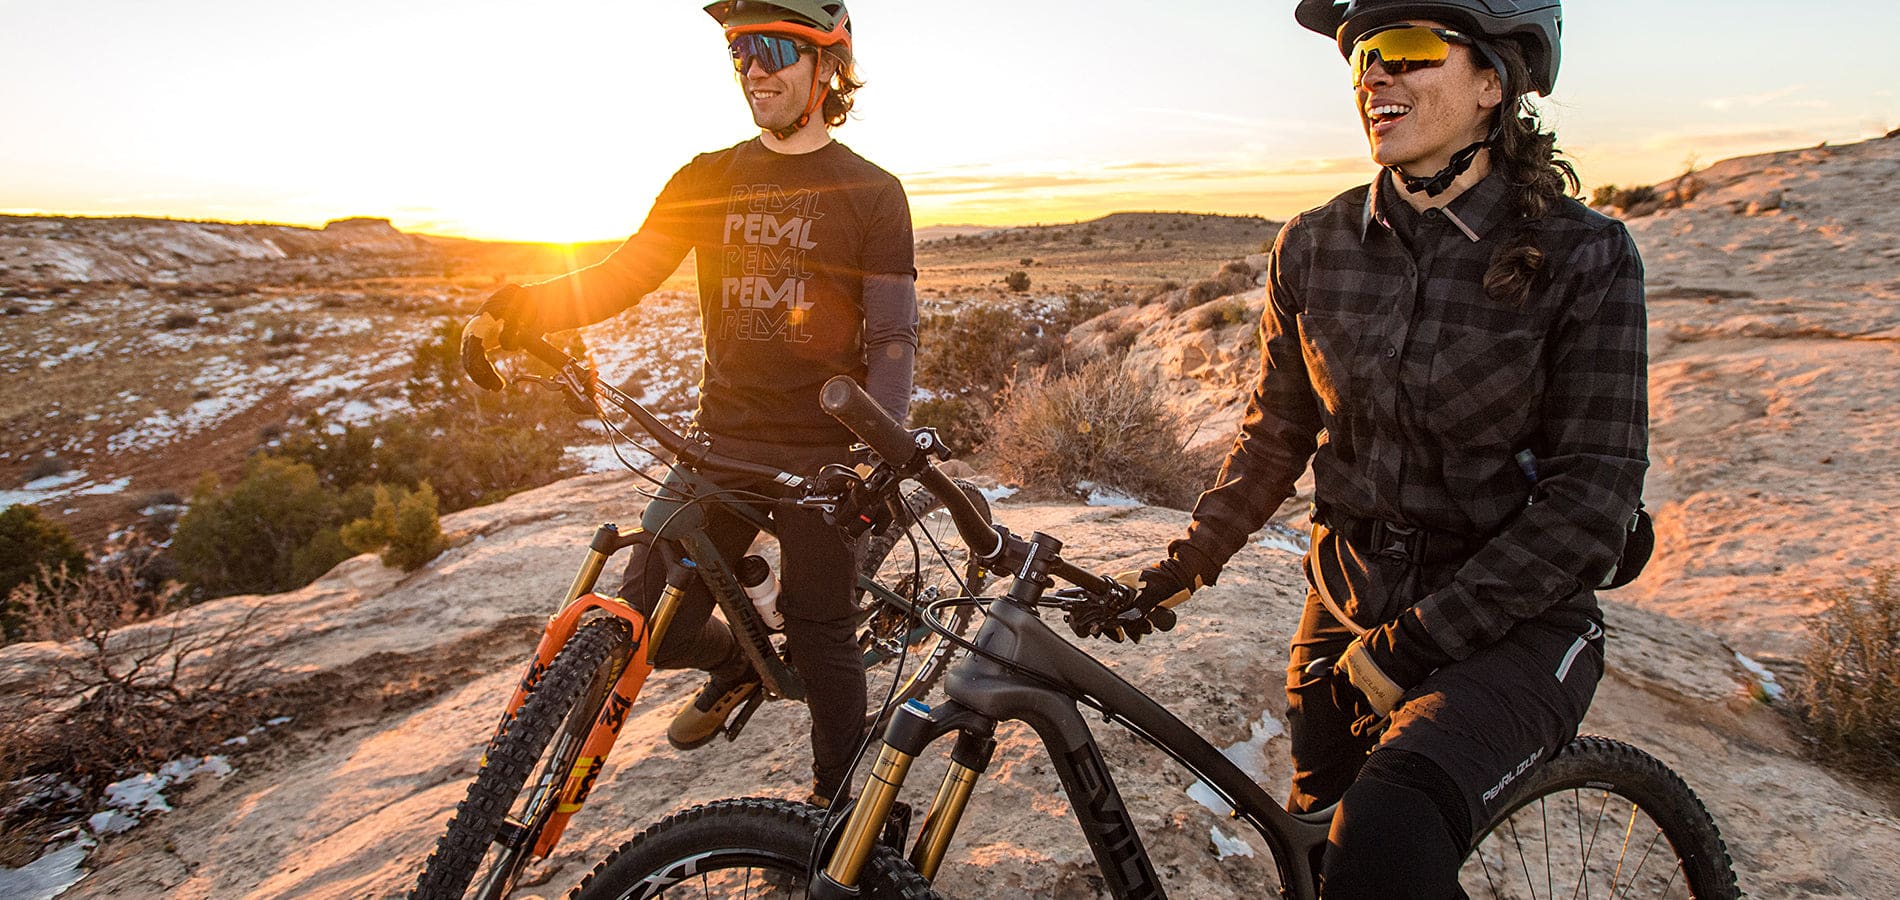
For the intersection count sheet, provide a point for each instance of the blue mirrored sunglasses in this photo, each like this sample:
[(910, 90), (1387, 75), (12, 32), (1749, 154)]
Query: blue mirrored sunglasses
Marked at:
[(770, 50)]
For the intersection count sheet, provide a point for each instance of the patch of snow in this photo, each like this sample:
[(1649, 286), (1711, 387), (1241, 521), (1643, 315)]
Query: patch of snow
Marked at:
[(116, 486), (1099, 495), (1280, 537), (594, 458), (998, 493), (50, 875), (1250, 755), (1226, 845), (40, 490), (1764, 679)]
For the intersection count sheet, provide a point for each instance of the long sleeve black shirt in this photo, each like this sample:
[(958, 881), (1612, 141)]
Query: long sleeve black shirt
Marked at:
[(1411, 391)]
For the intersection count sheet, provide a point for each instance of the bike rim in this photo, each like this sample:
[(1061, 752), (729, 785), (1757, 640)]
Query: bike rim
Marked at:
[(736, 873), (1586, 841)]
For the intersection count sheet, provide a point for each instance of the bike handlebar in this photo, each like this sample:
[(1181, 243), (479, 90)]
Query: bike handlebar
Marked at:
[(847, 402), (482, 334)]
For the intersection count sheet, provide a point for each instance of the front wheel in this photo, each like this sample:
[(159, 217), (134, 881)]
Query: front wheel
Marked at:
[(736, 848), (1601, 819), (494, 829)]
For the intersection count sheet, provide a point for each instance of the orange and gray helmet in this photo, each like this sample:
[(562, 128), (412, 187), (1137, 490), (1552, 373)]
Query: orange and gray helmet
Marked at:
[(825, 23), (1535, 25)]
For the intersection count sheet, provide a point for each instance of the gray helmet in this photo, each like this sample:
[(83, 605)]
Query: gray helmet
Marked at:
[(823, 22), (1535, 25)]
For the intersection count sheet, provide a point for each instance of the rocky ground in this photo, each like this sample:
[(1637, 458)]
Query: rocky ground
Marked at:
[(1773, 336)]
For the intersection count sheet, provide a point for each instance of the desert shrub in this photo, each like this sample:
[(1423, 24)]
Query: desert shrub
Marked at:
[(264, 535), (471, 445), (122, 697), (46, 467), (1017, 281), (1604, 195), (1200, 292), (972, 352), (1851, 698), (1100, 424), (1227, 311), (178, 320), (1026, 262), (31, 546), (1632, 197), (402, 525)]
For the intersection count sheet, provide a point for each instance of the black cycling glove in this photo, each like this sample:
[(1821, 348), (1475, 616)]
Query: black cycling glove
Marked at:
[(519, 315), (1158, 589)]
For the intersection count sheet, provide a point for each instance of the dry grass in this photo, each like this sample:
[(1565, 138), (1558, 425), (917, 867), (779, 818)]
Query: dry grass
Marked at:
[(1851, 700), (1098, 424), (124, 695)]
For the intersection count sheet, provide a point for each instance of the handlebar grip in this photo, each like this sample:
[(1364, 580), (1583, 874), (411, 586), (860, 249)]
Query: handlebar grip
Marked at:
[(849, 404)]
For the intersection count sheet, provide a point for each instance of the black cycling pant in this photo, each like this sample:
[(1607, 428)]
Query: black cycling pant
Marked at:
[(818, 582), (1458, 739)]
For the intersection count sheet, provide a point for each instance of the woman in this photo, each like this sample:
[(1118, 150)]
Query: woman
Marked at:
[(1458, 348)]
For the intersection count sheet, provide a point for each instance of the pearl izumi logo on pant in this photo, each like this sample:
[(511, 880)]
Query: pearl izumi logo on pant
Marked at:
[(766, 234)]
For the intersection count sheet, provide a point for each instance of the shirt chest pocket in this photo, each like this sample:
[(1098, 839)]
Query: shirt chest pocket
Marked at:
[(1485, 385)]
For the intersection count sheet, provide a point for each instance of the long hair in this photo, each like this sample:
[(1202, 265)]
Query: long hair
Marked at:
[(1526, 156), (838, 99)]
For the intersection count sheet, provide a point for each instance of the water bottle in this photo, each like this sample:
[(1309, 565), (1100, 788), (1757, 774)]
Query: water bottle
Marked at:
[(761, 584)]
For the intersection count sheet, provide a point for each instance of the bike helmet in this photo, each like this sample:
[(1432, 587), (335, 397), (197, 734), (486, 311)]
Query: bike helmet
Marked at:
[(1535, 25), (825, 23)]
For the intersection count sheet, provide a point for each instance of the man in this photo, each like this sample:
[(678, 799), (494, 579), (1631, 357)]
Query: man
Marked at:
[(805, 271)]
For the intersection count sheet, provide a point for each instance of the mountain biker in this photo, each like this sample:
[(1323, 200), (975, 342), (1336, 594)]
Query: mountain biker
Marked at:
[(805, 271), (1459, 349)]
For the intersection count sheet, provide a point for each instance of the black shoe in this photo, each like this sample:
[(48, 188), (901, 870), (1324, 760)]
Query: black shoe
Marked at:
[(704, 718)]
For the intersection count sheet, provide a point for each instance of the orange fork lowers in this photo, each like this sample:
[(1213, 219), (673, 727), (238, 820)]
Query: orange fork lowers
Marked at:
[(613, 715)]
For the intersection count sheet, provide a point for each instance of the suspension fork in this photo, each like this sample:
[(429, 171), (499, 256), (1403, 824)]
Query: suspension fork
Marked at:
[(914, 727)]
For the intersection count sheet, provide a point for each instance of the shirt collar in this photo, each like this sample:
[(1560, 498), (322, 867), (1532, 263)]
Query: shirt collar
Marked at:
[(1481, 209)]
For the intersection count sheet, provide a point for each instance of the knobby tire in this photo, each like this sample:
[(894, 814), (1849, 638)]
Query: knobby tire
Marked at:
[(753, 847), (558, 714), (1601, 819)]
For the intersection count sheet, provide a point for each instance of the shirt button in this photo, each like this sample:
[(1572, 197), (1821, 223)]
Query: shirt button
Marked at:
[(1391, 352), (1432, 213)]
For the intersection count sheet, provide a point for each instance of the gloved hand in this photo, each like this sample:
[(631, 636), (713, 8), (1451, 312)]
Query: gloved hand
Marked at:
[(1389, 660), (519, 316), (1157, 590)]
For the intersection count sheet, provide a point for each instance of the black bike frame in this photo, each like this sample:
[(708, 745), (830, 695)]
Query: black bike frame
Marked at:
[(983, 692)]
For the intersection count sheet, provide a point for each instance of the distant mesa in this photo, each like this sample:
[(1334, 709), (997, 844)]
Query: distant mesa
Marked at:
[(359, 223)]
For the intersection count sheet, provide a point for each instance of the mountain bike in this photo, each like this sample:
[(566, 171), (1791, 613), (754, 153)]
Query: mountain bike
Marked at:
[(593, 656), (1598, 819)]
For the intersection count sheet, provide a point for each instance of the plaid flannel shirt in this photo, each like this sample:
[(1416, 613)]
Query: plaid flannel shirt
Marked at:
[(1411, 390)]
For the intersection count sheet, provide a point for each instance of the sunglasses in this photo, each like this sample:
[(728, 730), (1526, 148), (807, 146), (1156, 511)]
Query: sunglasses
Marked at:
[(772, 52), (1403, 48)]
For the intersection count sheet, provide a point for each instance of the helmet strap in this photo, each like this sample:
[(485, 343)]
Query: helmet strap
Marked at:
[(813, 102), (1436, 184)]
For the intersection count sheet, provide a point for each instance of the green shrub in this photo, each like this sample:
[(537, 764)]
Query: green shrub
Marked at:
[(31, 548), (264, 535), (1851, 699), (1227, 311), (1604, 195), (1017, 281), (1100, 424), (402, 525), (471, 445)]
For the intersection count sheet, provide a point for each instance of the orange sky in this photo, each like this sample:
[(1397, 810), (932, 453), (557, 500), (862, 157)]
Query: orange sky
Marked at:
[(561, 120)]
